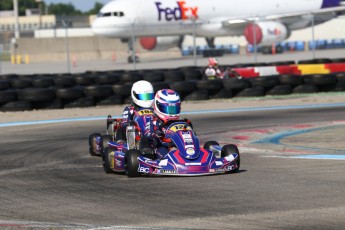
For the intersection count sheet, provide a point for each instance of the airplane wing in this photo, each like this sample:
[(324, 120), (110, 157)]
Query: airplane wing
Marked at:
[(292, 20)]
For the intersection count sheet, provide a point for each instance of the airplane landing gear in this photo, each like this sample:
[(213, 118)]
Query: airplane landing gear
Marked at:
[(132, 58)]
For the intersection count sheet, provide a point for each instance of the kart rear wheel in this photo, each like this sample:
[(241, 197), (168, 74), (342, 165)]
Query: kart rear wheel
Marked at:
[(106, 160), (132, 163), (227, 150), (208, 144), (104, 143), (93, 144)]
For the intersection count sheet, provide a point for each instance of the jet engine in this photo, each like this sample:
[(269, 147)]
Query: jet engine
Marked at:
[(266, 33), (161, 42)]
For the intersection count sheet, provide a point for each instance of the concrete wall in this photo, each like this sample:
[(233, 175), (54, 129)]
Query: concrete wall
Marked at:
[(82, 48)]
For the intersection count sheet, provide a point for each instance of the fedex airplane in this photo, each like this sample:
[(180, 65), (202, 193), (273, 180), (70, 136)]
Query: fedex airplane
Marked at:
[(163, 23)]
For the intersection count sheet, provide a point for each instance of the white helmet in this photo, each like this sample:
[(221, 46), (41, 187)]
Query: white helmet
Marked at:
[(142, 94), (167, 105)]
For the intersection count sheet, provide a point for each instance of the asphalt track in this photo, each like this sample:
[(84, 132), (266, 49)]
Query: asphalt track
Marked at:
[(48, 180)]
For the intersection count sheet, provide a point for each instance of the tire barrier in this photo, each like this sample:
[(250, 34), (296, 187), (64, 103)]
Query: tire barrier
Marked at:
[(49, 91)]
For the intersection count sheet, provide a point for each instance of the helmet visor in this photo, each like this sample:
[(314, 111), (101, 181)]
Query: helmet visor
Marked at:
[(169, 109), (144, 96)]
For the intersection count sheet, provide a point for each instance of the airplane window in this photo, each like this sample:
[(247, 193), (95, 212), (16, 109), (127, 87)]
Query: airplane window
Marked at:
[(115, 13), (104, 14), (121, 14)]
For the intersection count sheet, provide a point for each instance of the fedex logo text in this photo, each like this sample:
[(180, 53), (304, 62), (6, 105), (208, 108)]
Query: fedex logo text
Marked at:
[(180, 12)]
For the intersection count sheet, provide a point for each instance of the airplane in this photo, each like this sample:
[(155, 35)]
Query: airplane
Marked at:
[(162, 24)]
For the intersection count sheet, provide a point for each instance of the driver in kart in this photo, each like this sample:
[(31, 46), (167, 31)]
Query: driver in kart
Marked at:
[(142, 94), (167, 107)]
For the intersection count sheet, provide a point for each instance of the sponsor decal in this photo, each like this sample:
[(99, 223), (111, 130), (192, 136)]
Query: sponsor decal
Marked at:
[(168, 171), (117, 162), (216, 170), (229, 167), (190, 151), (144, 170)]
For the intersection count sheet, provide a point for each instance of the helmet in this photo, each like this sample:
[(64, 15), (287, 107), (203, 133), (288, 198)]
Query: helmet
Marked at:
[(142, 94), (167, 105), (212, 62)]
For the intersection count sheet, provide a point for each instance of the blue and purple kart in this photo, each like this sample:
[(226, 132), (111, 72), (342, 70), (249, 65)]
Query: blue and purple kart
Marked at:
[(185, 156)]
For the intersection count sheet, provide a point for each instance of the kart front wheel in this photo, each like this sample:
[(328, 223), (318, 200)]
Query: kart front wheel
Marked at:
[(107, 160), (105, 139), (227, 150), (132, 163), (93, 144), (208, 144)]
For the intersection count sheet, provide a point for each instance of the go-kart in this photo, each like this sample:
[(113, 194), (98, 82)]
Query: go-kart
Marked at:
[(98, 143), (185, 156)]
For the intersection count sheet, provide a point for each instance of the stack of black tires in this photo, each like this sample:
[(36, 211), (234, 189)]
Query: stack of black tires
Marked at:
[(57, 91)]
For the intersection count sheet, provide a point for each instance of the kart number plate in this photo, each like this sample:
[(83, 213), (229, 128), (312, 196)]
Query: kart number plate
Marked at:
[(145, 112)]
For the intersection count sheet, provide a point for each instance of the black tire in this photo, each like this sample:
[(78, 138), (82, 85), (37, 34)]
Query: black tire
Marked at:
[(280, 90), (55, 104), (124, 90), (229, 149), (154, 77), (69, 93), (16, 106), (131, 77), (21, 83), (198, 95), (223, 93), (252, 92), (7, 96), (184, 86), (36, 94), (112, 100), (160, 85), (265, 82), (84, 80), (339, 87), (192, 75), (4, 84), (208, 144), (340, 77), (43, 82), (173, 76), (209, 85), (107, 79), (305, 89), (292, 80), (131, 163), (64, 81), (98, 91), (106, 160), (321, 79), (81, 103), (92, 143), (236, 83)]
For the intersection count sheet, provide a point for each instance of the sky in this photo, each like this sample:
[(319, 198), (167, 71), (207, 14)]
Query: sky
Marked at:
[(83, 5)]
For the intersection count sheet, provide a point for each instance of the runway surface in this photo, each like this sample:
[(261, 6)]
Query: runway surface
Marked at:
[(48, 180)]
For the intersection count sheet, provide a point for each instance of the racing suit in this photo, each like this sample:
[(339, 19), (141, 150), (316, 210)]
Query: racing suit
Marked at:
[(128, 115), (155, 137)]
